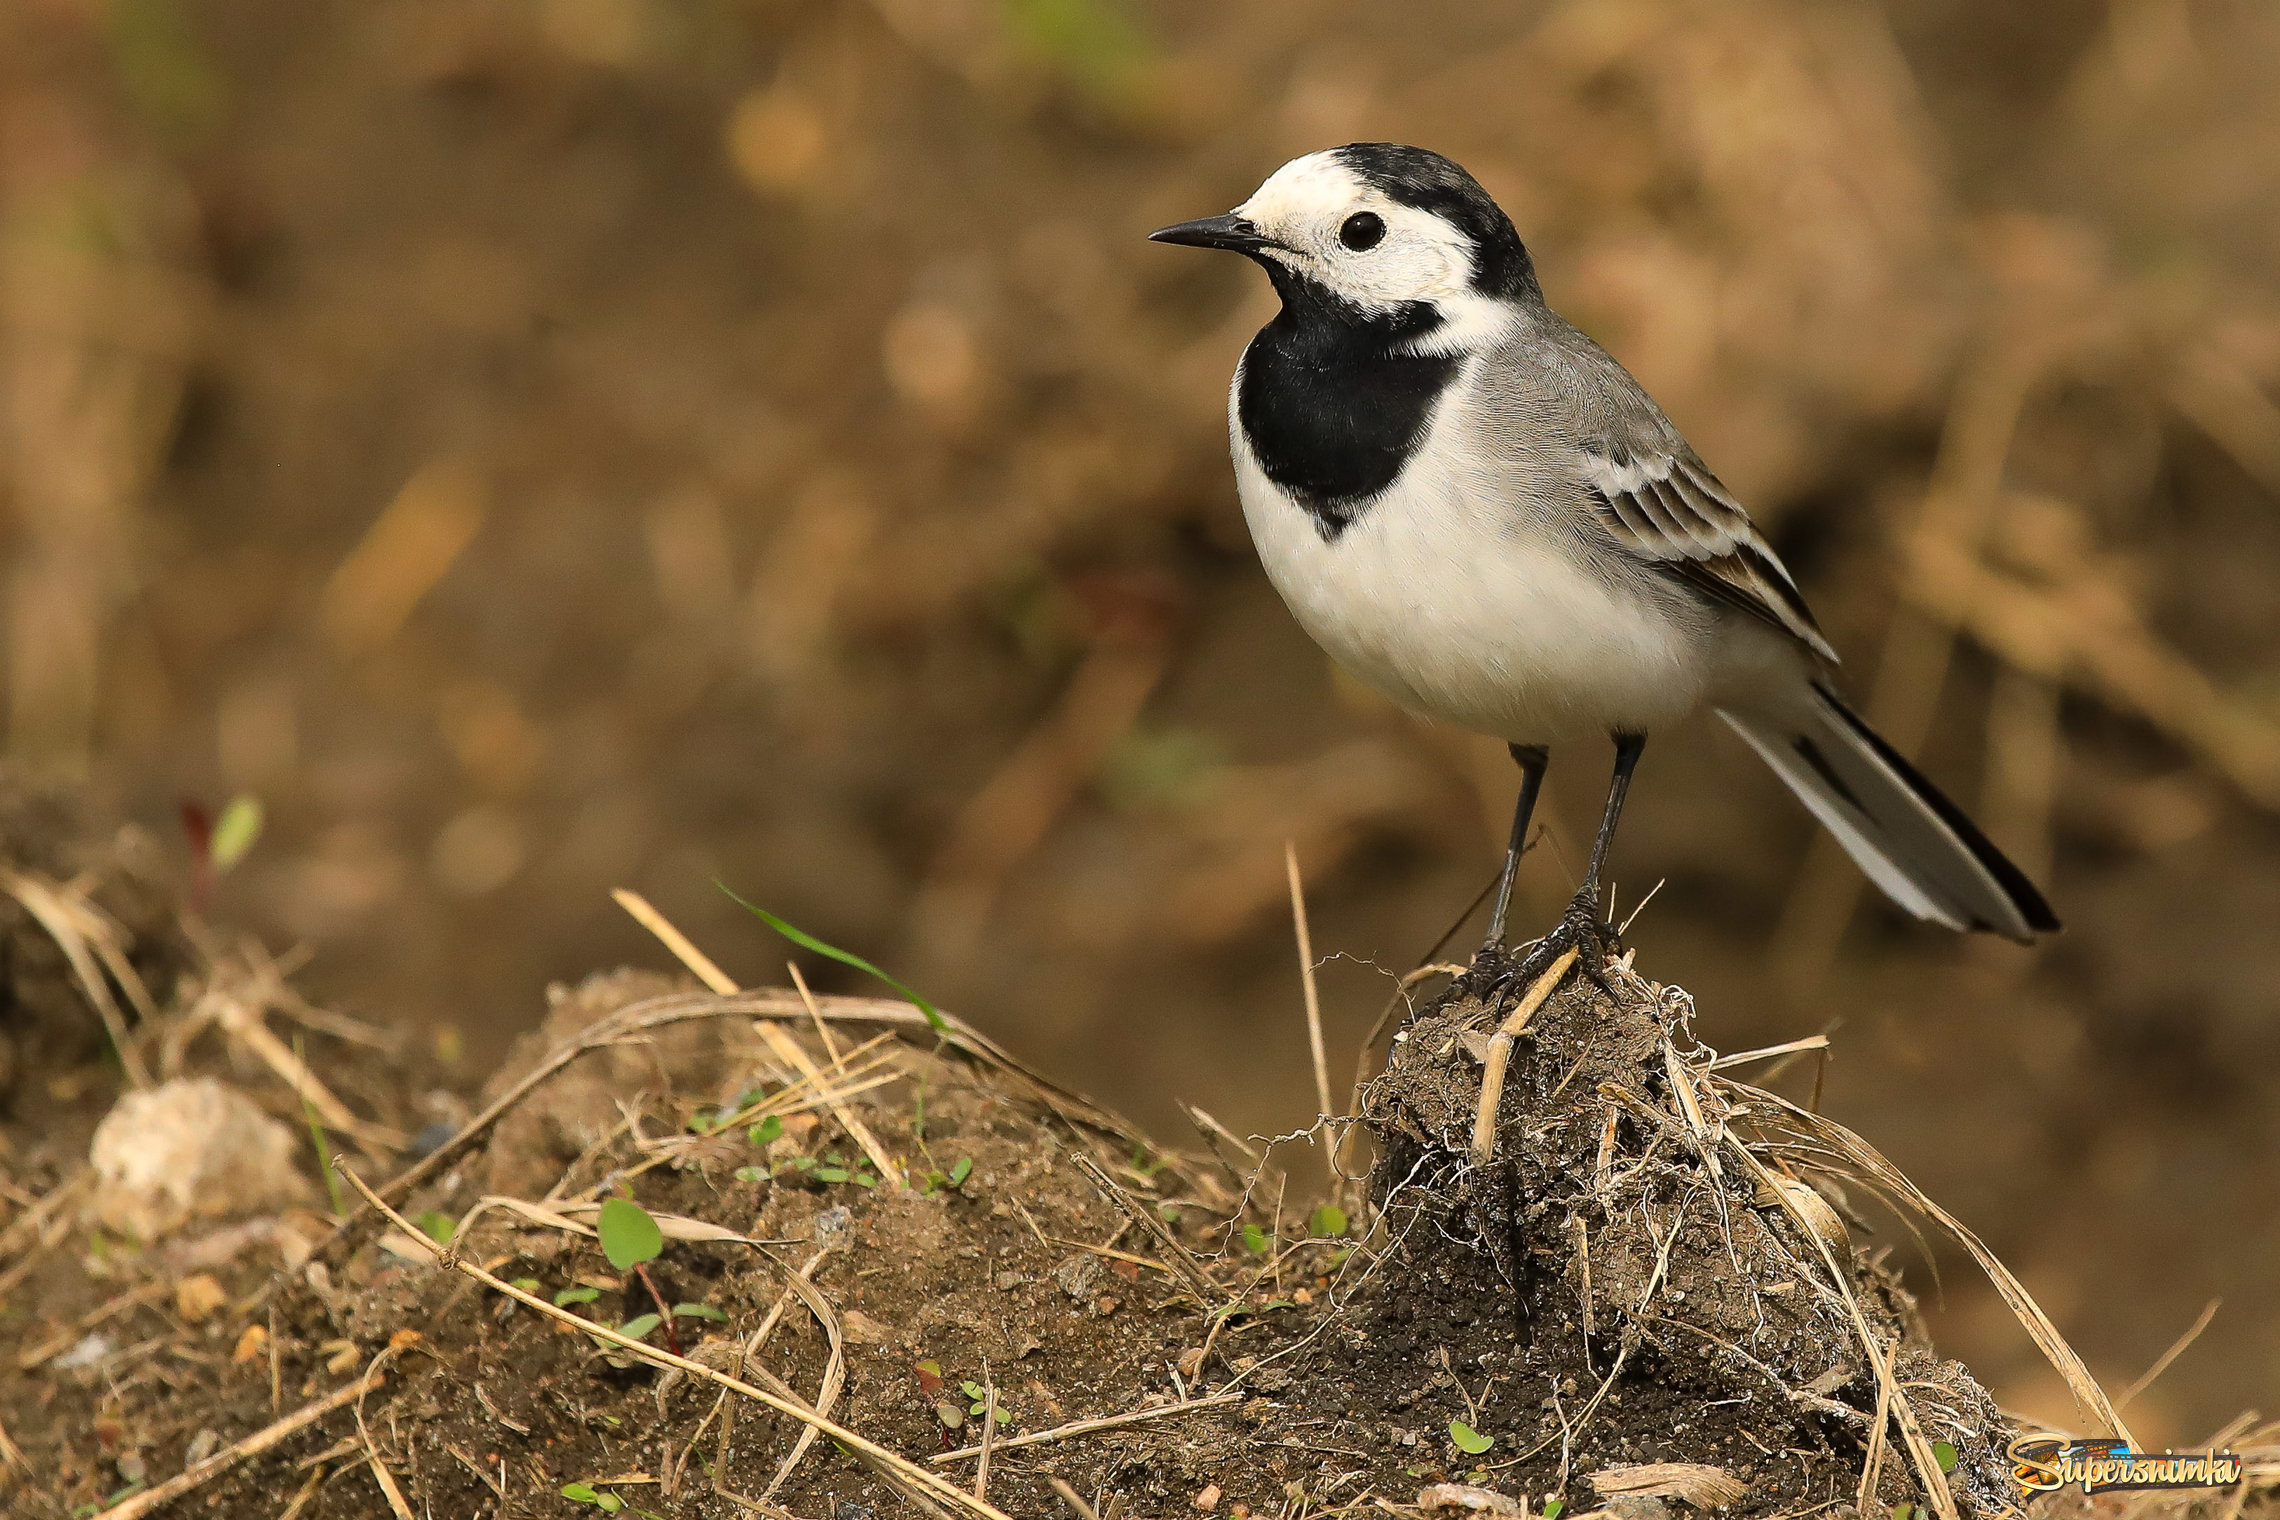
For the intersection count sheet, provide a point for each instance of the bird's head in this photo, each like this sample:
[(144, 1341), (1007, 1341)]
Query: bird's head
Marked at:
[(1377, 233)]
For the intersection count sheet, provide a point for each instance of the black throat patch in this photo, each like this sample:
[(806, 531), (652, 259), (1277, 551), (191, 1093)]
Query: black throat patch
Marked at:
[(1332, 406)]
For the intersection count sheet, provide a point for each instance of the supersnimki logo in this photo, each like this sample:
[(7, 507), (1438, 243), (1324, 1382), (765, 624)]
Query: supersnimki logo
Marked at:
[(2043, 1464)]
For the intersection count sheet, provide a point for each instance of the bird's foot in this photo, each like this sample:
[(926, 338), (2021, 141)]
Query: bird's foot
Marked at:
[(1580, 929)]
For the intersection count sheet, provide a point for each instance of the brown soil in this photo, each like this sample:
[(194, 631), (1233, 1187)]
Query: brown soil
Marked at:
[(46, 1026), (1702, 1330)]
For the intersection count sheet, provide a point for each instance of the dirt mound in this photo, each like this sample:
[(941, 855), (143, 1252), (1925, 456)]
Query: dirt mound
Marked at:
[(1633, 1283), (1622, 1293), (88, 934)]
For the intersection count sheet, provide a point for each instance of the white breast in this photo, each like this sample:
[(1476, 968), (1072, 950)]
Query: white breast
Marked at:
[(1446, 596)]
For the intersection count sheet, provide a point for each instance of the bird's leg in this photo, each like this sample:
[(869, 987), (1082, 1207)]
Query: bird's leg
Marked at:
[(1531, 758), (1581, 926)]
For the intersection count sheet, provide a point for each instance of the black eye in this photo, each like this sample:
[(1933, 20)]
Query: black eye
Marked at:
[(1362, 231)]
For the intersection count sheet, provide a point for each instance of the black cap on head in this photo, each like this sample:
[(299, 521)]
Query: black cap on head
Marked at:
[(1423, 179)]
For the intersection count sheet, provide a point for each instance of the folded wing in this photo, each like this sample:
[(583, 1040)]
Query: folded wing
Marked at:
[(1665, 506)]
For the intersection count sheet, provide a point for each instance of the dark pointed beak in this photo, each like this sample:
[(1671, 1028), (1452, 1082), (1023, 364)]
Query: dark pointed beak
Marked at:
[(1230, 232)]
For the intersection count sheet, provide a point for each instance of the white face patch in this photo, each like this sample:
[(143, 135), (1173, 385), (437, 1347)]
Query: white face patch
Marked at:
[(1421, 258)]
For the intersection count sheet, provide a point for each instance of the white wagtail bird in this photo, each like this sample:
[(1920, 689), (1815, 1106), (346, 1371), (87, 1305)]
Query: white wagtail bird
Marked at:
[(1477, 511)]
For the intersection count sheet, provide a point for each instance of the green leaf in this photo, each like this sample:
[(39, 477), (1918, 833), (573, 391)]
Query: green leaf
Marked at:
[(527, 1284), (638, 1326), (864, 1179), (808, 941), (831, 1174), (960, 1172), (974, 1391), (629, 1236), (1552, 1508), (751, 1174), (698, 1311), (1329, 1220), (580, 1493), (437, 1226), (1469, 1441), (1944, 1454), (610, 1503), (1255, 1240), (569, 1296), (768, 1129), (234, 832)]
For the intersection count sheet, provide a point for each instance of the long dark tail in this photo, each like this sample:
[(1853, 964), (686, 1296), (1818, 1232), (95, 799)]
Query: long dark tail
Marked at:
[(1917, 846)]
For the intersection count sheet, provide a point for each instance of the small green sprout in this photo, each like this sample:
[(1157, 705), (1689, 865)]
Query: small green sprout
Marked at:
[(767, 1130), (1255, 1240), (950, 1181), (981, 1398), (437, 1226), (569, 1296), (1944, 1454), (1329, 1221), (699, 1311), (1468, 1440), (234, 832), (584, 1493), (629, 1236)]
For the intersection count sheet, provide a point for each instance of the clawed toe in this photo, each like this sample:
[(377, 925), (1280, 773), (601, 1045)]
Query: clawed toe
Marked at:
[(1582, 930)]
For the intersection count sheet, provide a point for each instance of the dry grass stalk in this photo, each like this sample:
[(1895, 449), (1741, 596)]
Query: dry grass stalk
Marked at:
[(1087, 1427), (1176, 1253), (788, 1049), (1500, 1056), (1812, 1142), (1693, 1483), (1465, 1497), (1682, 1084), (815, 1014), (1073, 1499), (577, 1219), (684, 950), (1811, 1042), (989, 1432), (2176, 1349), (406, 551), (379, 1469), (69, 922), (242, 1019), (151, 1500), (922, 1487), (1889, 1393), (834, 1379), (29, 1226), (1872, 1469), (1306, 977)]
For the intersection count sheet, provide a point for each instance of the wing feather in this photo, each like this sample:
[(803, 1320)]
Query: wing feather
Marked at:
[(1574, 425), (1667, 508)]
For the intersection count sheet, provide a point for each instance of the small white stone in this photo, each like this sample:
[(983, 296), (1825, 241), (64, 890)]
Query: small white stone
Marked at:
[(190, 1149)]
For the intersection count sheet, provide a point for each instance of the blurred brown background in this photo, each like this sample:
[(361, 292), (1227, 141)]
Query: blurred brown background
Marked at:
[(543, 445)]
